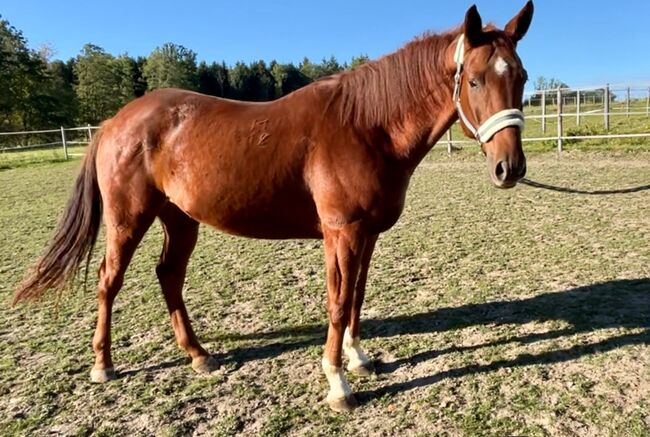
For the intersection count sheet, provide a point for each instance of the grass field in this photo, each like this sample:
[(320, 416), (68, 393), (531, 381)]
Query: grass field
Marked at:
[(489, 312), (17, 159)]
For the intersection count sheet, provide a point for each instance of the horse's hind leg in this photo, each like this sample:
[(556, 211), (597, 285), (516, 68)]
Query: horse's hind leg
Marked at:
[(124, 231), (181, 233)]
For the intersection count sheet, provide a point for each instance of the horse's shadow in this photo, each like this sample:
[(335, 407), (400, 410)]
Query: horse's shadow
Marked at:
[(613, 304)]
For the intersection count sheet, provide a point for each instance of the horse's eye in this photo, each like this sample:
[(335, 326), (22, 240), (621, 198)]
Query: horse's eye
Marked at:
[(473, 83)]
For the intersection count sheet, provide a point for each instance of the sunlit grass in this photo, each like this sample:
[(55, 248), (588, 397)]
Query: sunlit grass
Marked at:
[(490, 312)]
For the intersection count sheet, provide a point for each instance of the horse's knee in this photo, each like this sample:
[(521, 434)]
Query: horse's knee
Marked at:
[(170, 272), (110, 282), (164, 269), (336, 313)]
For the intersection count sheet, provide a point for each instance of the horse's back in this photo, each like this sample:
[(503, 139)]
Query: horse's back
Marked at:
[(238, 166)]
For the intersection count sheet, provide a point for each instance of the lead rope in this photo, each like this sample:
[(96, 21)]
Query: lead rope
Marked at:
[(569, 190), (498, 121)]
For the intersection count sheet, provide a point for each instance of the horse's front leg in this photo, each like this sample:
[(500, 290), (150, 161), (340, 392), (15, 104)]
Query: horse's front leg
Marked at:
[(343, 250), (358, 361)]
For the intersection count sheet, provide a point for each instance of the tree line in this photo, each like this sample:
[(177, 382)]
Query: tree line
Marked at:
[(38, 92)]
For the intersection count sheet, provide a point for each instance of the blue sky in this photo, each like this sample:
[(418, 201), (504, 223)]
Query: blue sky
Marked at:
[(578, 41)]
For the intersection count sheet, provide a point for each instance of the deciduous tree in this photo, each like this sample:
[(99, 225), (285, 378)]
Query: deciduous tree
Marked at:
[(171, 65), (98, 84)]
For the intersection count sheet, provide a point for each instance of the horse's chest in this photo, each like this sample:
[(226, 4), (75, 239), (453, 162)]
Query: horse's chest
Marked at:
[(385, 212), (378, 203)]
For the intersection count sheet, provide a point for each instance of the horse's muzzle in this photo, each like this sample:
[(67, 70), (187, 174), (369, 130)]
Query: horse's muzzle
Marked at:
[(506, 173)]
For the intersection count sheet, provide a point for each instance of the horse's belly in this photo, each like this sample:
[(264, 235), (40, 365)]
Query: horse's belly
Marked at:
[(275, 218), (270, 225)]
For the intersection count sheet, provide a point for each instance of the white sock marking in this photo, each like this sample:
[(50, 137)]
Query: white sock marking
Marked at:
[(352, 349), (339, 387)]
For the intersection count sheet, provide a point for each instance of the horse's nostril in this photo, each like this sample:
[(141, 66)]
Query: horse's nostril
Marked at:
[(501, 171), (522, 170)]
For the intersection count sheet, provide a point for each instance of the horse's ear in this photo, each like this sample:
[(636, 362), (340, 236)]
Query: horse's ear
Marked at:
[(473, 27), (518, 26)]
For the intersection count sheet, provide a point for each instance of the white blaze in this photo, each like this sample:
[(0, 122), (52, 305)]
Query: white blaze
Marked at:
[(501, 66)]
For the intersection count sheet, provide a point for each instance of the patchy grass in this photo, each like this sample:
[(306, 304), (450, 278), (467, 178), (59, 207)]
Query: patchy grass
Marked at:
[(520, 312), (29, 158)]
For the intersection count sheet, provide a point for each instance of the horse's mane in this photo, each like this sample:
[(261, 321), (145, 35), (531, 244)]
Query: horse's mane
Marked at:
[(383, 90)]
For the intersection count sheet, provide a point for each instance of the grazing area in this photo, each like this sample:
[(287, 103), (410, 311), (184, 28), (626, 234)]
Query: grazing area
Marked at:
[(488, 312)]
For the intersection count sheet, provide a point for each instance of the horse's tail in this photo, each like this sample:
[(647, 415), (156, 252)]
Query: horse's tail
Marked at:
[(74, 238)]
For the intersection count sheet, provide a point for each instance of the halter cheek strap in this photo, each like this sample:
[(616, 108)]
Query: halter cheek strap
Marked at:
[(498, 121)]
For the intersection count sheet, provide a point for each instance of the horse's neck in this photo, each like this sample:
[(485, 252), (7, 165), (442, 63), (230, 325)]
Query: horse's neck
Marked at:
[(414, 136)]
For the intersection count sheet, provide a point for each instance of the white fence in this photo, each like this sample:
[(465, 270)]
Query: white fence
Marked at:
[(46, 139), (556, 116), (548, 112)]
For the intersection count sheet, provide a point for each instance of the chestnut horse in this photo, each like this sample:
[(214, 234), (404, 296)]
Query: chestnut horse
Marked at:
[(331, 160)]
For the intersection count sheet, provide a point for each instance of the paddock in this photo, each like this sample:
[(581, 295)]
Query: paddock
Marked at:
[(488, 312)]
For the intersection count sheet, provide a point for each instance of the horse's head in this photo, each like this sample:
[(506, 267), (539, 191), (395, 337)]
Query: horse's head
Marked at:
[(489, 89)]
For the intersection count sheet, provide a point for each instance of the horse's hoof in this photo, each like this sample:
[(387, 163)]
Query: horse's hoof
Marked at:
[(204, 365), (366, 369), (343, 405), (102, 375)]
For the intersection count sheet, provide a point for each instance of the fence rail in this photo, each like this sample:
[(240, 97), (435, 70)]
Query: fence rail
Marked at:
[(574, 106), (25, 138)]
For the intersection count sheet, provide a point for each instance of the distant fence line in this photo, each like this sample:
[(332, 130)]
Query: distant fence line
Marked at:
[(540, 106), (577, 104), (62, 139)]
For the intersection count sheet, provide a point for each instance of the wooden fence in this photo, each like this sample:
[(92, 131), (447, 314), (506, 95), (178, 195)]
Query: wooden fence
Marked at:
[(59, 138), (546, 109)]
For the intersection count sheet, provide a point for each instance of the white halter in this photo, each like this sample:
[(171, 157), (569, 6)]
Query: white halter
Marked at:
[(497, 122)]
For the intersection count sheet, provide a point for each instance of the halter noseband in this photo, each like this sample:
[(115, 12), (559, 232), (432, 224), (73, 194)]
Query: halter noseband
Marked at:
[(497, 122)]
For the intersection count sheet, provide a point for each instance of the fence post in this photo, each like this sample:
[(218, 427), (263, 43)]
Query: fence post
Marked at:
[(559, 120), (627, 103), (578, 108), (65, 145), (606, 101), (449, 143), (90, 134), (647, 103), (543, 111)]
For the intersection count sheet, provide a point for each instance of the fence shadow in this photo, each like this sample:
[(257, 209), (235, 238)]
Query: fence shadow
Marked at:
[(613, 304)]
